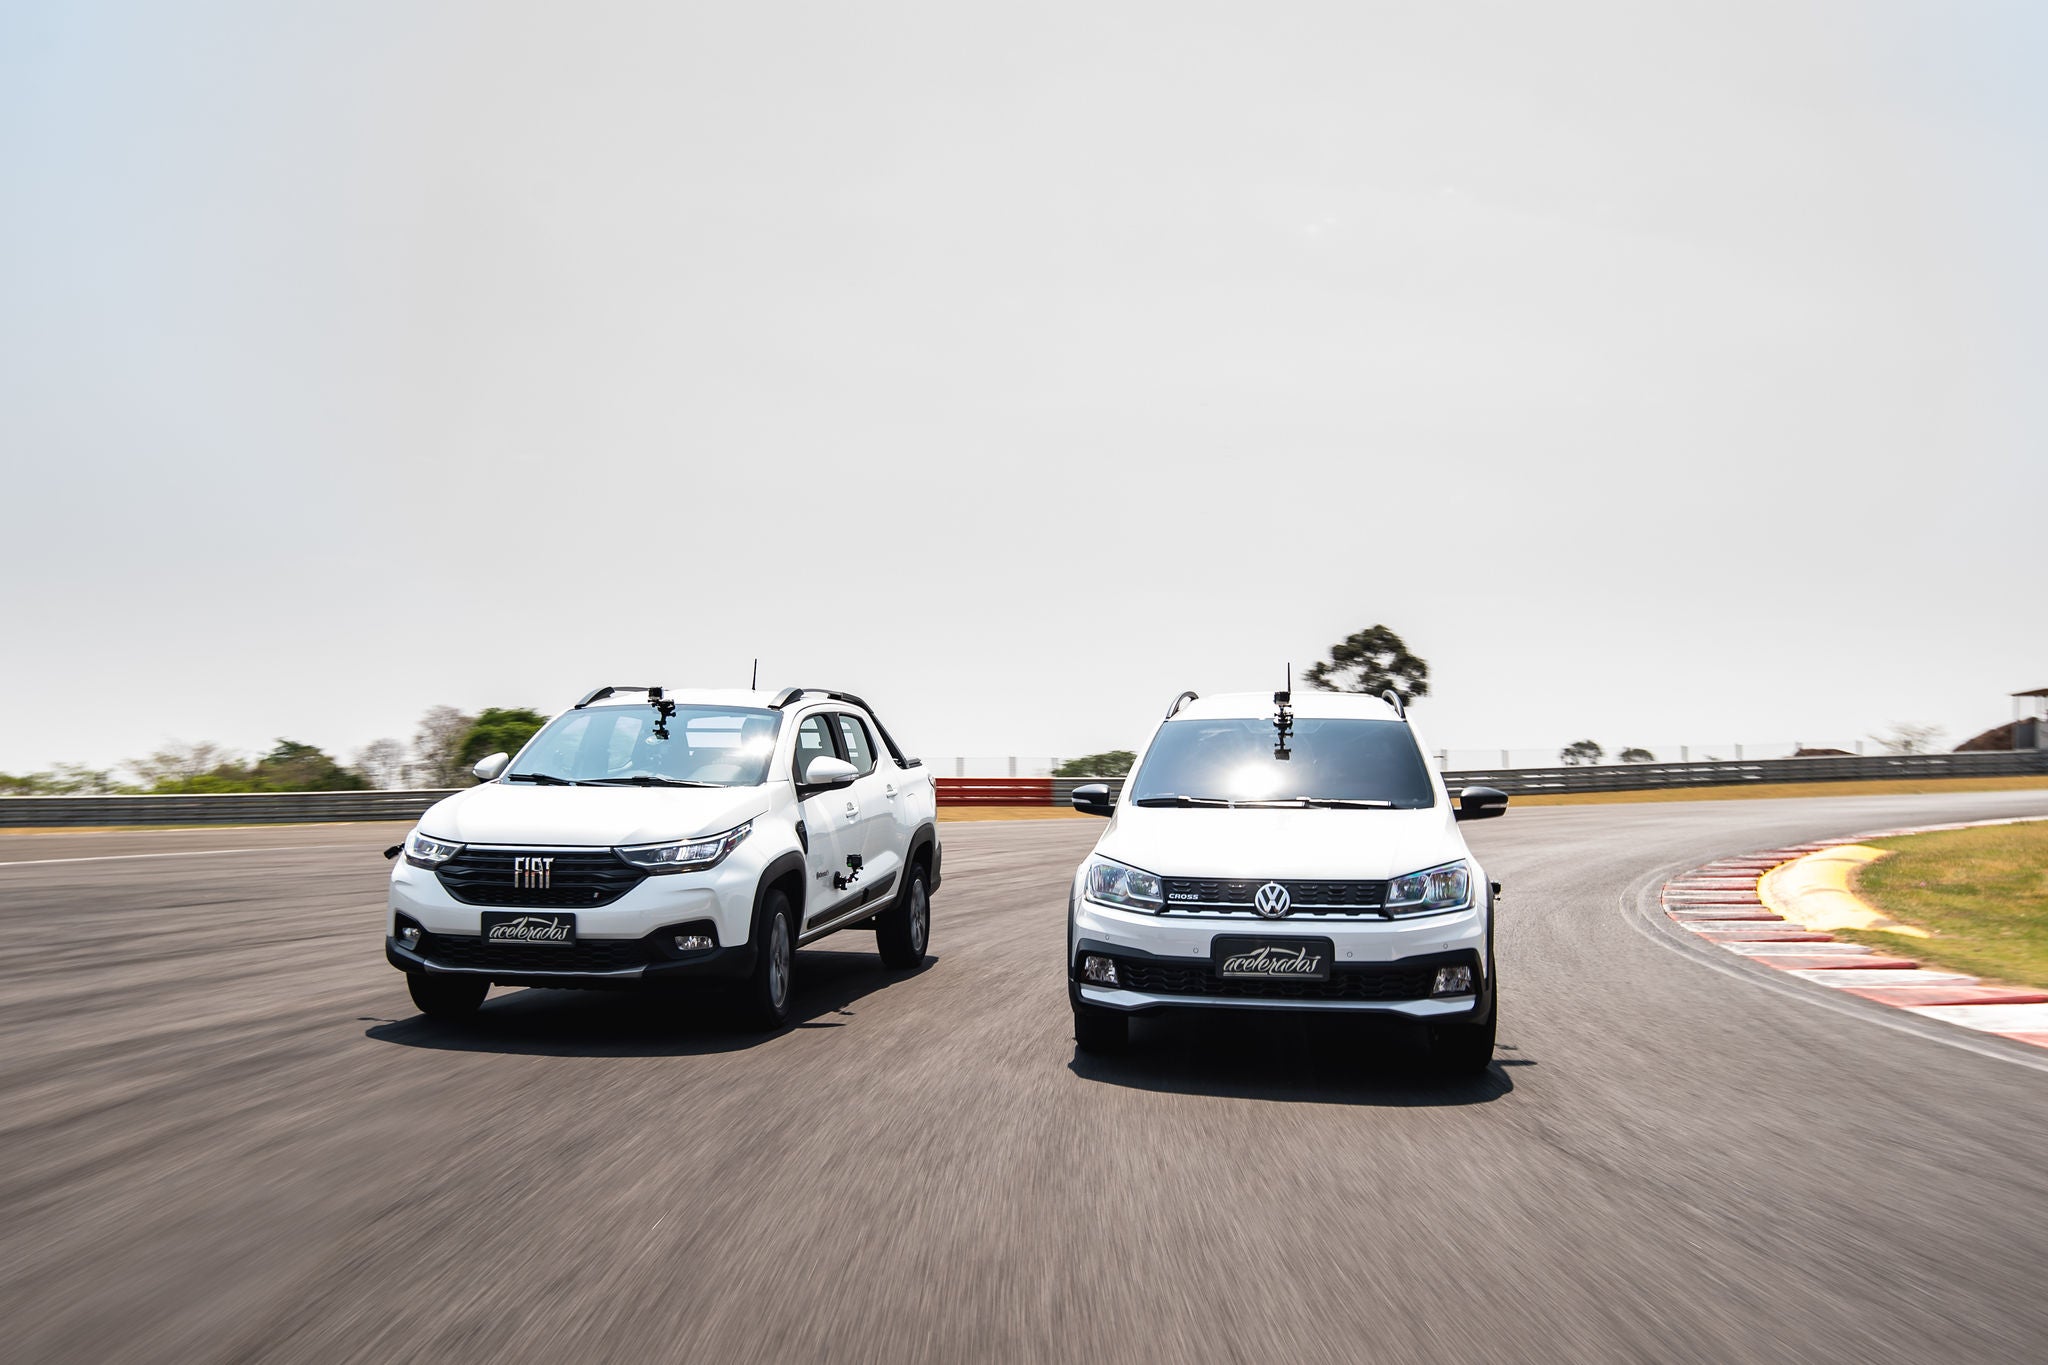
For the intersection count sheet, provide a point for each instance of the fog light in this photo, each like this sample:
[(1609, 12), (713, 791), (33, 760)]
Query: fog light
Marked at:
[(1101, 970), (691, 943), (409, 936), (1452, 981)]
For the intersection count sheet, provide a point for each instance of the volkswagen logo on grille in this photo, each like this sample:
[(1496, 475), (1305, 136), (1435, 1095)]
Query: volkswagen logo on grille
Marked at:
[(533, 874), (1272, 900)]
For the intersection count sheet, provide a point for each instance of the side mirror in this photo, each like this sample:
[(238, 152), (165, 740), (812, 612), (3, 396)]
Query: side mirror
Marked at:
[(829, 772), (487, 769), (1482, 803), (1093, 798)]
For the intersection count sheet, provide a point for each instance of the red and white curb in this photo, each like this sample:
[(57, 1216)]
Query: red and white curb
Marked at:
[(1721, 904)]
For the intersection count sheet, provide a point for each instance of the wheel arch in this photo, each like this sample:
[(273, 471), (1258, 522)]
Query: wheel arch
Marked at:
[(924, 852), (785, 874)]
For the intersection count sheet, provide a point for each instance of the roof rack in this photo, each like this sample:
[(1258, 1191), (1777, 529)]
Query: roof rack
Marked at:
[(790, 694), (653, 694), (1180, 701), (1393, 699)]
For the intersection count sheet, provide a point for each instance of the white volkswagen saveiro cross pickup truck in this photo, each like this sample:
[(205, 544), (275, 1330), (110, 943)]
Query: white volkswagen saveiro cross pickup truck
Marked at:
[(646, 837), (1285, 855)]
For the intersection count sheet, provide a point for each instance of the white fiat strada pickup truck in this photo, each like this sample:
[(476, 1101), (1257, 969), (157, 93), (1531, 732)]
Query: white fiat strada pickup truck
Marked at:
[(1285, 854), (645, 837)]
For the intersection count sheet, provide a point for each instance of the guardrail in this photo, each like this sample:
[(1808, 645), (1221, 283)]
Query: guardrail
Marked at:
[(996, 791), (225, 808), (1655, 776), (1607, 777), (293, 808)]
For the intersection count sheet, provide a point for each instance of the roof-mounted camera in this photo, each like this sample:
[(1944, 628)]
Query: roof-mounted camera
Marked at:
[(1283, 718)]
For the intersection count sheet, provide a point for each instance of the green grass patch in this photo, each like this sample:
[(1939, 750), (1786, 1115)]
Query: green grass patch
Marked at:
[(1982, 893)]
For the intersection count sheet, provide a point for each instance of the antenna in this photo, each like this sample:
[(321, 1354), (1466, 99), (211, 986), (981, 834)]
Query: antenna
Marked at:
[(754, 685)]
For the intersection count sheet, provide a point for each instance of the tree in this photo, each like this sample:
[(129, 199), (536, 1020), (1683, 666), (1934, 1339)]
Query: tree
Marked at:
[(289, 767), (498, 730), (1372, 661), (1113, 763), (1636, 756), (1908, 739), (1585, 751), (64, 779), (383, 762), (226, 778), (296, 767), (438, 743), (178, 760)]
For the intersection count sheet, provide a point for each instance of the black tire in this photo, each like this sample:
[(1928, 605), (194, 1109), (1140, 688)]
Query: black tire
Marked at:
[(447, 997), (1100, 1030), (1464, 1049), (765, 996), (904, 930)]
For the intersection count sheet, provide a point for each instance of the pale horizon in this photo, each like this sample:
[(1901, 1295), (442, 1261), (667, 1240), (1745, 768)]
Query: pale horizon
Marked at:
[(1663, 377)]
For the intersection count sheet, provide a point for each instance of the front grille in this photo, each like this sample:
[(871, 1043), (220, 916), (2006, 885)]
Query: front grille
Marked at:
[(578, 878), (1210, 896), (585, 955), (1345, 983)]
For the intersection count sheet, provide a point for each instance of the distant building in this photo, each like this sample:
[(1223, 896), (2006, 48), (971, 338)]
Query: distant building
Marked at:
[(2028, 728), (2030, 719)]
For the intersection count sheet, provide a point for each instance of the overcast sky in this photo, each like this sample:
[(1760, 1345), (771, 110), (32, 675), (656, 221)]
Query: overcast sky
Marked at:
[(1661, 373)]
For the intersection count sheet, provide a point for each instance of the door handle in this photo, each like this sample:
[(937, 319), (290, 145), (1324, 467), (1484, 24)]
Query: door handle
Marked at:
[(890, 791), (852, 811)]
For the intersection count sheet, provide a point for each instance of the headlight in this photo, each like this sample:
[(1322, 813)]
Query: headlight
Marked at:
[(422, 851), (692, 855), (1127, 888), (1423, 893)]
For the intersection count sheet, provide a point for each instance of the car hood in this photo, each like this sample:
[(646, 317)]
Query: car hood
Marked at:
[(572, 817), (1353, 845)]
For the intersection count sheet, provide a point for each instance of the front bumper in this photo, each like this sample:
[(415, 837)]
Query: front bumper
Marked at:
[(723, 895), (589, 963), (1382, 967)]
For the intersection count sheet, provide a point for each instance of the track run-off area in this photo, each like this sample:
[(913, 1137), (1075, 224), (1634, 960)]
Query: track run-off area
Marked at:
[(227, 1136)]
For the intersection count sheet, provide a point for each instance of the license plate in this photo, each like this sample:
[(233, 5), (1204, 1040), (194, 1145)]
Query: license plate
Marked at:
[(540, 930), (1282, 959)]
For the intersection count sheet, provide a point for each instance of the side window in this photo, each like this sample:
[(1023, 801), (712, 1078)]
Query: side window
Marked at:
[(813, 740), (860, 751)]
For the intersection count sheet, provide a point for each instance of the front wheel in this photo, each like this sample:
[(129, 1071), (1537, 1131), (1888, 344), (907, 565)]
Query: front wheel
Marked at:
[(904, 930), (1099, 1030), (1464, 1049), (767, 991), (447, 997)]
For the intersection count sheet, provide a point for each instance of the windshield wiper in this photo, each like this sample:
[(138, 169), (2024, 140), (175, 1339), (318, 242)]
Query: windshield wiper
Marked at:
[(545, 779), (1180, 801), (1341, 803), (644, 780)]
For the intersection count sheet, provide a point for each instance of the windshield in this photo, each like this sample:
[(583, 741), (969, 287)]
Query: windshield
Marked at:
[(1373, 762), (710, 746)]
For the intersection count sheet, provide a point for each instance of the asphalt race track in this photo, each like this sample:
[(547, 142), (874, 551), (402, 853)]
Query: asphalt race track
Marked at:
[(224, 1135)]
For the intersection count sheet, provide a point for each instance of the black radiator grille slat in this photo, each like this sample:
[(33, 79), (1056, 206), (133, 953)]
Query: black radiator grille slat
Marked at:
[(1345, 983), (584, 955), (1215, 895), (579, 878)]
